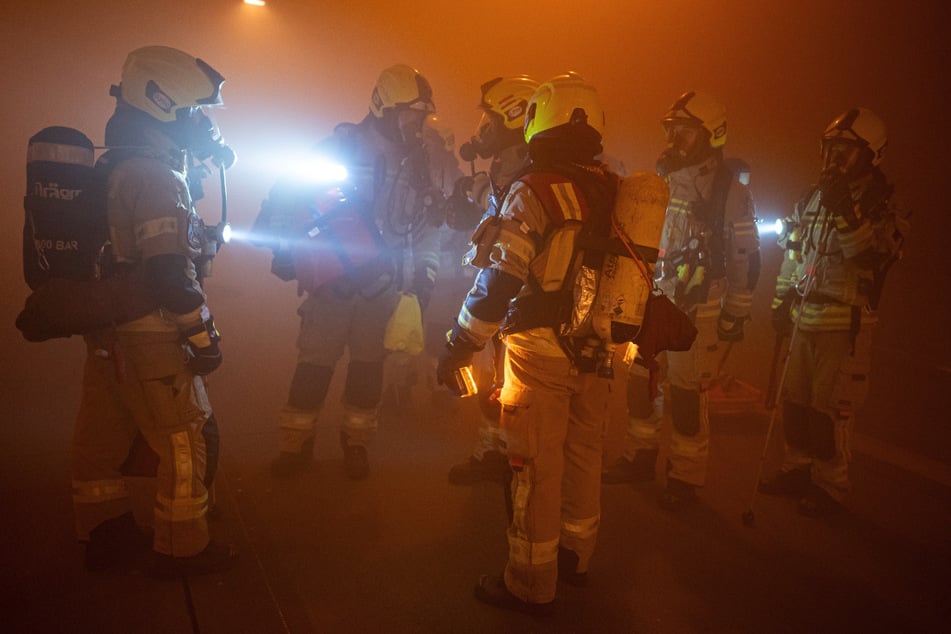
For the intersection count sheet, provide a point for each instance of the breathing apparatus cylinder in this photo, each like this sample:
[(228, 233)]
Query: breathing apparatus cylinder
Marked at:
[(639, 212), (65, 207)]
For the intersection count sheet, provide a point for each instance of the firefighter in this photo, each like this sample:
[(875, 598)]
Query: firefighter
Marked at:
[(554, 403), (390, 191), (500, 137), (840, 241), (145, 377), (709, 264)]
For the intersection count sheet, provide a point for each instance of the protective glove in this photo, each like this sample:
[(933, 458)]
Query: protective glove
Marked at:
[(424, 280), (729, 327), (461, 213), (282, 265), (836, 196), (458, 354), (204, 356)]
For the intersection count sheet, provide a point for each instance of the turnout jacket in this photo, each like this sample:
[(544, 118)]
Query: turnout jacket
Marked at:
[(707, 231), (532, 254), (851, 252)]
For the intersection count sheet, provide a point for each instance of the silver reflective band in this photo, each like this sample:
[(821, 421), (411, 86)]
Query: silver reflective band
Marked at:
[(60, 153)]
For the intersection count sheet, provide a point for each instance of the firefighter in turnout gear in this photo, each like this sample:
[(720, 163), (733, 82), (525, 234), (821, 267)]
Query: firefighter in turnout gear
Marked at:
[(144, 378), (709, 264), (388, 214), (840, 241), (500, 137), (554, 403)]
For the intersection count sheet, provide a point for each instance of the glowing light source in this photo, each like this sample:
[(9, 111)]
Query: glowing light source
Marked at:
[(776, 227), (318, 170), (255, 3)]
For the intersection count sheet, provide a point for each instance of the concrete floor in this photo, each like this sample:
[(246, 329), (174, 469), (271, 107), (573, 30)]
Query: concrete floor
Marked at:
[(401, 551)]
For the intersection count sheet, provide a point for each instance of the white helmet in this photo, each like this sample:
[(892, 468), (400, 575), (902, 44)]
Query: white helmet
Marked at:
[(700, 109), (858, 127)]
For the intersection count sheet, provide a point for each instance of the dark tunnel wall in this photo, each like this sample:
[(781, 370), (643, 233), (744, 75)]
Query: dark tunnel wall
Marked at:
[(293, 69)]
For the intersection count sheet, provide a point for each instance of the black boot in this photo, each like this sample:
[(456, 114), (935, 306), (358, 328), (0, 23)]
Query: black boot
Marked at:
[(113, 542), (568, 568), (491, 468), (289, 464), (639, 470), (214, 558), (679, 494), (491, 589), (818, 503), (355, 459), (794, 483)]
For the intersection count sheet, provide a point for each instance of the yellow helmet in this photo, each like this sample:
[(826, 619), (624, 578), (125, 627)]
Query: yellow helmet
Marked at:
[(702, 110), (401, 85), (562, 100), (160, 81), (508, 97)]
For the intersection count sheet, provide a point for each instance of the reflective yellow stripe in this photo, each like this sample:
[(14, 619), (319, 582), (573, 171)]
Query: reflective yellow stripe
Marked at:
[(565, 194), (95, 491), (180, 509), (182, 464), (513, 244), (560, 249), (478, 327), (526, 553), (300, 420), (824, 316), (156, 227), (581, 529), (60, 153)]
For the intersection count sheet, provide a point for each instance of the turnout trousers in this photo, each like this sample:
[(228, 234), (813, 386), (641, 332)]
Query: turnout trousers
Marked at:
[(553, 424), (138, 382)]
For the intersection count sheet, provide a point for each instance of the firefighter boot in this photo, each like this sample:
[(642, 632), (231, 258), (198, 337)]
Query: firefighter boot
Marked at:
[(639, 470), (568, 568), (354, 458), (818, 503), (214, 558), (289, 464), (491, 590), (679, 494), (114, 541), (794, 483), (492, 467)]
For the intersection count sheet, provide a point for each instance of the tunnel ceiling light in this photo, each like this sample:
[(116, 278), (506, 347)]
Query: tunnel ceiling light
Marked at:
[(256, 3)]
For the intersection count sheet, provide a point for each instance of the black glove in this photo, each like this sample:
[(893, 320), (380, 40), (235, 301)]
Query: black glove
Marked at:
[(729, 327), (461, 213), (458, 354), (282, 265), (424, 280), (204, 356), (835, 194)]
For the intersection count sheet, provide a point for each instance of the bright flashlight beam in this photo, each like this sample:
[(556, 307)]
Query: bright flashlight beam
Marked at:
[(318, 170), (771, 228)]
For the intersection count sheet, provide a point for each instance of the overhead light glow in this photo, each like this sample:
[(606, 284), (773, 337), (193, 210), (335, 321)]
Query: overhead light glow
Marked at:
[(255, 3)]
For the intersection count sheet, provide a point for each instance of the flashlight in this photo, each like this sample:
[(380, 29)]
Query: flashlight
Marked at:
[(766, 227)]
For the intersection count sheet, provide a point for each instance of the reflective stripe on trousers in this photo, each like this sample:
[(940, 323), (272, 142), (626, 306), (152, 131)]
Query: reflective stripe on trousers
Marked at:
[(553, 425)]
